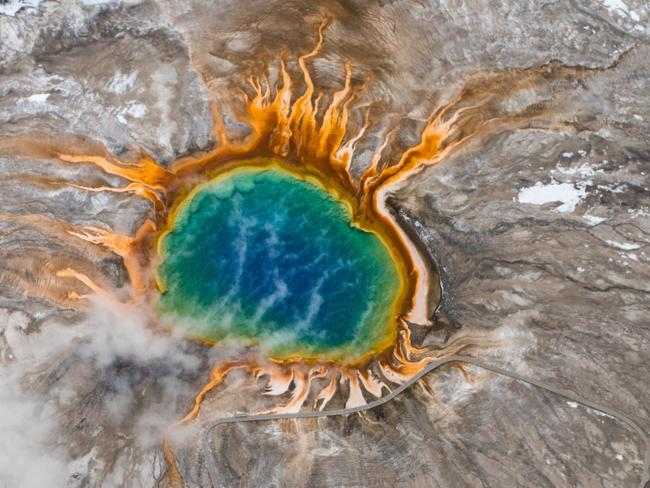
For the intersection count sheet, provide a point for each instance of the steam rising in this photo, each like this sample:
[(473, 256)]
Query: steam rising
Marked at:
[(85, 382)]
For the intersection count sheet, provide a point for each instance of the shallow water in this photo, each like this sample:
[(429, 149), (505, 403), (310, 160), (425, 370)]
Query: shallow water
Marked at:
[(263, 255)]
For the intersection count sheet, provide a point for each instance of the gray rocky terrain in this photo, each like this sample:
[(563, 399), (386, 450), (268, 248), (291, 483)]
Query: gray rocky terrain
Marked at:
[(538, 223)]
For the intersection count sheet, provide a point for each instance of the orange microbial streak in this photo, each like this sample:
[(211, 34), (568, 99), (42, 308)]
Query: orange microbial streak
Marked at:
[(172, 475)]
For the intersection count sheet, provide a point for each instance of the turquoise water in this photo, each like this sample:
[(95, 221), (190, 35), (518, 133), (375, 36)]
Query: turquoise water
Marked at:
[(263, 255)]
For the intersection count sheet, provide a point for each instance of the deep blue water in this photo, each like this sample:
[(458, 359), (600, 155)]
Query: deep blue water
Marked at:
[(263, 255)]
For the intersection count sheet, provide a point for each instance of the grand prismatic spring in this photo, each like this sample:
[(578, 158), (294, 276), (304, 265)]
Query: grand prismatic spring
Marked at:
[(219, 212), (262, 255), (270, 240)]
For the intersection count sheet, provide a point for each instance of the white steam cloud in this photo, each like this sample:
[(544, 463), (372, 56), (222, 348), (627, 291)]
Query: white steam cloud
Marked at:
[(76, 397)]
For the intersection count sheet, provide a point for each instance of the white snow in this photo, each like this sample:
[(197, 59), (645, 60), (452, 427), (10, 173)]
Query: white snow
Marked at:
[(638, 212), (12, 7), (96, 2), (121, 82), (621, 8), (38, 97), (568, 194), (592, 219), (623, 245), (583, 170), (597, 412), (135, 110), (603, 414), (613, 188)]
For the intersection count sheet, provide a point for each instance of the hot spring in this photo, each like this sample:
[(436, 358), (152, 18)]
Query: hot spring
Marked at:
[(268, 257)]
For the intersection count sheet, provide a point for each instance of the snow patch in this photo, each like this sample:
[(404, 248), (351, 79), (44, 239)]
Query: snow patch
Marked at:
[(121, 82), (583, 170), (613, 188), (623, 245), (638, 212), (603, 414), (38, 97), (597, 412), (12, 7), (621, 8), (135, 110), (568, 194), (593, 220), (90, 3)]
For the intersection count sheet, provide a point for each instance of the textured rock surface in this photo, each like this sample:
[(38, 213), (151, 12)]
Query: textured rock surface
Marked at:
[(501, 432), (540, 225)]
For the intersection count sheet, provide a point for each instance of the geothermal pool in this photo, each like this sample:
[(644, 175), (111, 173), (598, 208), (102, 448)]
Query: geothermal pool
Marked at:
[(267, 257)]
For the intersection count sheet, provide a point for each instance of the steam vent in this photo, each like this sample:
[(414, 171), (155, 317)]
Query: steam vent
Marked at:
[(324, 244)]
